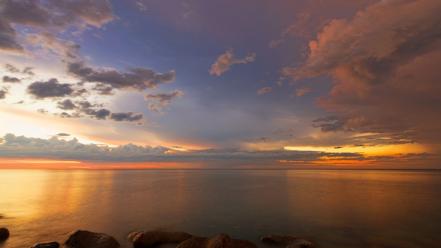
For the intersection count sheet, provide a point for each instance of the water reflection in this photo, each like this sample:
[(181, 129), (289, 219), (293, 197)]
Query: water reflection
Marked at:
[(333, 208)]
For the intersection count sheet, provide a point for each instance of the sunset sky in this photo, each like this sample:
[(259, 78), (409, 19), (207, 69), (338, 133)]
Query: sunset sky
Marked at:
[(230, 82)]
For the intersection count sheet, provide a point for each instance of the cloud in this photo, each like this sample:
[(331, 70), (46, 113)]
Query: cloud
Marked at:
[(49, 42), (100, 114), (224, 62), (49, 89), (77, 109), (384, 65), (162, 100), (129, 116), (302, 91), (135, 78), (52, 14), (66, 105), (264, 90), (7, 38), (3, 93), (15, 70), (63, 134), (8, 79), (62, 148), (11, 68)]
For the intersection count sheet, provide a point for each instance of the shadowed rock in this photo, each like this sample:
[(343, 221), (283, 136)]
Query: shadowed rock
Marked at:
[(156, 238), (4, 234), (47, 245), (287, 241), (218, 241), (86, 239)]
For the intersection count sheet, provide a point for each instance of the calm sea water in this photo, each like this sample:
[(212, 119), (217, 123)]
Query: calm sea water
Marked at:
[(331, 208)]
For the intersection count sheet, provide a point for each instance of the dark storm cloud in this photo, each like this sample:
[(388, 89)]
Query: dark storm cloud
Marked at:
[(162, 100), (135, 78), (8, 79), (49, 14), (384, 62), (49, 89), (129, 116)]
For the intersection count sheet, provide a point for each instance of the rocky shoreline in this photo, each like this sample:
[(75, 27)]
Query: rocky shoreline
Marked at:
[(152, 239)]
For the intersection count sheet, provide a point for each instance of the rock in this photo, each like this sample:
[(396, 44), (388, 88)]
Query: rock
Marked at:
[(287, 241), (156, 238), (47, 245), (86, 239), (218, 241), (4, 234)]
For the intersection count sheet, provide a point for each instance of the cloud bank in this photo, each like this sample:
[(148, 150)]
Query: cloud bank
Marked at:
[(60, 148)]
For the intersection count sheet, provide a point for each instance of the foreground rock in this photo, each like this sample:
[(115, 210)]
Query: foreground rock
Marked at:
[(86, 239), (4, 234), (287, 241), (47, 245), (156, 238), (218, 241)]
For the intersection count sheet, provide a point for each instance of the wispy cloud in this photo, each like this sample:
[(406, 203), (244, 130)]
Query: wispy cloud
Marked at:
[(226, 60)]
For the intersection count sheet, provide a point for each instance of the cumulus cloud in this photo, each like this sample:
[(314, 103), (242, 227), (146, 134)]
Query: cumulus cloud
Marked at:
[(38, 14), (384, 64), (162, 100), (264, 90), (49, 89), (135, 78), (224, 62), (8, 79)]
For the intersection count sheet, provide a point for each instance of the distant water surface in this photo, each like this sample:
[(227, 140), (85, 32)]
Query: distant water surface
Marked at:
[(332, 208)]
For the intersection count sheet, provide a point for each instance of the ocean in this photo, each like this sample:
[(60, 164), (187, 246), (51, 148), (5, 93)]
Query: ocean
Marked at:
[(332, 208)]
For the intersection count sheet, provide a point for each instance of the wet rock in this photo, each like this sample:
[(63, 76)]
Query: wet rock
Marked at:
[(287, 241), (155, 238), (218, 241), (4, 234), (86, 239), (47, 245)]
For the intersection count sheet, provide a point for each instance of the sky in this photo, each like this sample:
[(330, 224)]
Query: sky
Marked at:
[(285, 83)]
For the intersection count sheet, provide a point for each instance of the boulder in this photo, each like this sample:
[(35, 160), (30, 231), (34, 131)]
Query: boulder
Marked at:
[(287, 241), (47, 245), (218, 241), (4, 234), (155, 238), (86, 239)]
